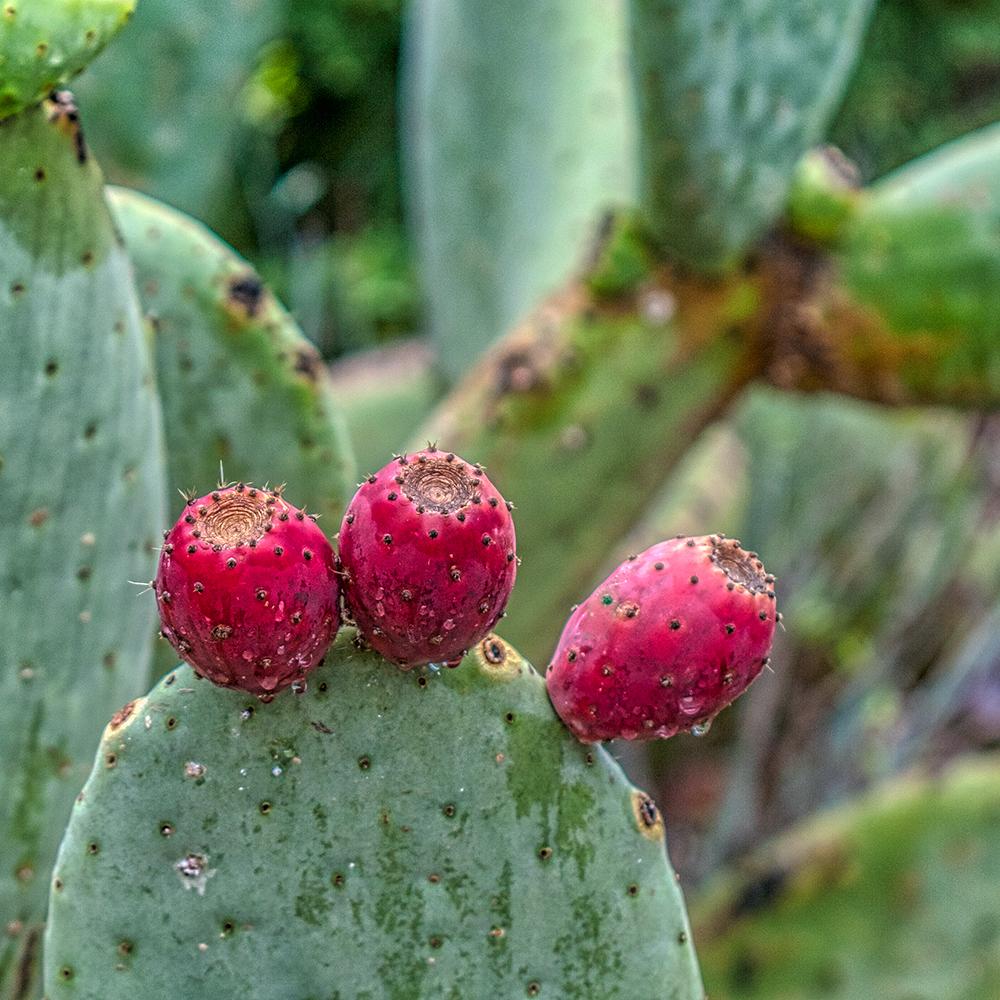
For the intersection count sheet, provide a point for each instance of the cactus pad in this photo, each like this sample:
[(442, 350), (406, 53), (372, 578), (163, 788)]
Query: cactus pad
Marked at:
[(82, 481), (921, 260), (169, 100), (890, 896), (520, 134), (44, 44), (239, 383), (386, 834), (731, 94)]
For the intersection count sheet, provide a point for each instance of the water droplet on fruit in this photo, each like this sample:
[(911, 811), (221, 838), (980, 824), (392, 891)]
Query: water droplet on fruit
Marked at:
[(269, 682), (689, 704), (700, 728), (447, 625), (629, 734), (380, 608)]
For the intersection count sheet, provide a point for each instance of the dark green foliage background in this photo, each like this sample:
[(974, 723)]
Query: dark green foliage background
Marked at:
[(929, 72)]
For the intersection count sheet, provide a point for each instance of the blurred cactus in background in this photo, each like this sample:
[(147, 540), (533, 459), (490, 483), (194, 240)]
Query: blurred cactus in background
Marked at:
[(662, 267)]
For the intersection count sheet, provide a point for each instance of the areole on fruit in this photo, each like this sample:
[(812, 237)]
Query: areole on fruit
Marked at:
[(236, 517), (742, 567), (439, 485)]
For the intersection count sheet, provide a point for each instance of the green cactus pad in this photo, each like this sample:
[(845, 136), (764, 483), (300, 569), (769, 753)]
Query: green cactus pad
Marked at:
[(890, 897), (823, 196), (730, 95), (44, 43), (922, 259), (386, 835), (520, 133), (238, 381), (82, 482)]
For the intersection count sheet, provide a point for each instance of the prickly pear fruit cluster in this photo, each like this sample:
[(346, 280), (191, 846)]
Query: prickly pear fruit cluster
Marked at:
[(247, 590), (667, 641), (427, 555)]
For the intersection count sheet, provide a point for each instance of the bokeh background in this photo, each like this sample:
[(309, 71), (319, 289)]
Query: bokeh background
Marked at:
[(277, 123)]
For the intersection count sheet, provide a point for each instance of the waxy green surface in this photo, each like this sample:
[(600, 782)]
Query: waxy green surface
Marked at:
[(923, 258), (81, 486), (889, 897), (730, 95), (170, 103), (44, 43), (239, 383), (519, 135), (386, 834)]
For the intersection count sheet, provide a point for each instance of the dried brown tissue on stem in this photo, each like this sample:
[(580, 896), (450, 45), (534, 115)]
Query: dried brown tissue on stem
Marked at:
[(815, 336), (544, 353)]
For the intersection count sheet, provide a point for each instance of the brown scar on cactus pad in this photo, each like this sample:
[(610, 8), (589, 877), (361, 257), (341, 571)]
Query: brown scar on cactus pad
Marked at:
[(245, 294), (666, 642), (647, 816), (120, 717), (247, 590), (427, 553), (64, 113)]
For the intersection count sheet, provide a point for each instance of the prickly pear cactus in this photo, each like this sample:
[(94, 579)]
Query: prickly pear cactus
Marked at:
[(239, 383), (730, 94), (570, 412), (168, 99), (519, 134), (921, 260), (81, 486), (43, 45), (386, 834)]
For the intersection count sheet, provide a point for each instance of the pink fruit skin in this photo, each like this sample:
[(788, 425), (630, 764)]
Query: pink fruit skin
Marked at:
[(428, 560), (256, 616), (667, 641)]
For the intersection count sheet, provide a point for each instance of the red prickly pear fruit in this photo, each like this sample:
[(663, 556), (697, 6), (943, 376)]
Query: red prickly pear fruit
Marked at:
[(247, 590), (665, 643), (427, 556)]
